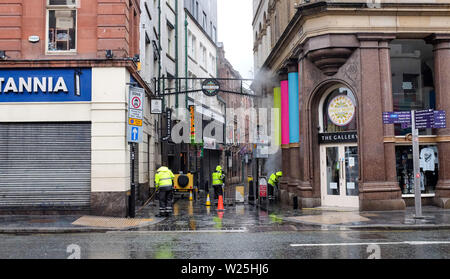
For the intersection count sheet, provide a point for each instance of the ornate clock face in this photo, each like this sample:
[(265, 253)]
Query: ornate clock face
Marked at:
[(341, 110)]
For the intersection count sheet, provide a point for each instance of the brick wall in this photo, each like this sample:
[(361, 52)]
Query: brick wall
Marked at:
[(101, 25), (11, 27)]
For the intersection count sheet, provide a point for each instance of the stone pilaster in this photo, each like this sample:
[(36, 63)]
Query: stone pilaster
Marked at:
[(379, 189), (442, 85)]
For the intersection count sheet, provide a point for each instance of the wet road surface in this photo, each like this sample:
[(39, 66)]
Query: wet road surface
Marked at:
[(242, 232)]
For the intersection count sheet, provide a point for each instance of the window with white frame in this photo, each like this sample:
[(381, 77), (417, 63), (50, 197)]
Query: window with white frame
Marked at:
[(170, 39), (203, 56), (192, 41), (61, 25)]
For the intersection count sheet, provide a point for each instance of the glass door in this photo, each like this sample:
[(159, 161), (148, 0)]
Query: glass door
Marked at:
[(339, 175)]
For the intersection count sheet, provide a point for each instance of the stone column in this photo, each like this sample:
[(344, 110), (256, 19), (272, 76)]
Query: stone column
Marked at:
[(284, 135), (378, 189), (305, 189), (294, 129), (442, 86), (388, 105)]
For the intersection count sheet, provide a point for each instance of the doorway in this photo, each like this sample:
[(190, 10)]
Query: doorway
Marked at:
[(339, 175), (338, 144)]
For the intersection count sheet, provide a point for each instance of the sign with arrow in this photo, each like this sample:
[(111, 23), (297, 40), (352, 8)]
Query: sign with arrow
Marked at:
[(135, 129), (422, 119)]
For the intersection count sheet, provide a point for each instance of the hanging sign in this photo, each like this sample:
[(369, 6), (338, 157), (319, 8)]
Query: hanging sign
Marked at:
[(192, 114), (156, 106), (210, 87), (341, 110)]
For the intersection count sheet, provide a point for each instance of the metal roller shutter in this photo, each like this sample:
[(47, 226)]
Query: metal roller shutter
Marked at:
[(45, 165)]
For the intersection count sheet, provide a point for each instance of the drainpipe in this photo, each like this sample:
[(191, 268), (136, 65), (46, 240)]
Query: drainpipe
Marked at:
[(176, 54), (186, 58), (159, 50)]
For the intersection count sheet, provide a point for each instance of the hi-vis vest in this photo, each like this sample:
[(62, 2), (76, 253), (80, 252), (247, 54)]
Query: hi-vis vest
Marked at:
[(217, 178), (273, 180), (163, 178)]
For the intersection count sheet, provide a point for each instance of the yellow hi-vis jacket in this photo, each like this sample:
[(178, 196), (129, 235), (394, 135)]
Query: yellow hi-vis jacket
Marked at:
[(273, 180), (163, 178), (217, 178)]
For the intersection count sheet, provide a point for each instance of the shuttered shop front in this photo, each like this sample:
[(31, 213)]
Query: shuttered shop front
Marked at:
[(45, 165)]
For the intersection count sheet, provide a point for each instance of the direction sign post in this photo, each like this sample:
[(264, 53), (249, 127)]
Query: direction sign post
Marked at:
[(416, 163), (423, 119)]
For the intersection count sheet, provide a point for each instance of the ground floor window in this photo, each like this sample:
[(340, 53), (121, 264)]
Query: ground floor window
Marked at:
[(429, 168)]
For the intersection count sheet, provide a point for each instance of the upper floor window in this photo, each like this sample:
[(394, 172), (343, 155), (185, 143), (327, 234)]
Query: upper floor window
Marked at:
[(412, 67), (61, 25), (170, 39)]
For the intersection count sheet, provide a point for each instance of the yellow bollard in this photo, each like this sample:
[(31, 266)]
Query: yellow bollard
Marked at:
[(208, 201)]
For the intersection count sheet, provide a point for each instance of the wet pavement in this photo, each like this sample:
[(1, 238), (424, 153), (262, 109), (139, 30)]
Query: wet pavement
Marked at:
[(195, 216)]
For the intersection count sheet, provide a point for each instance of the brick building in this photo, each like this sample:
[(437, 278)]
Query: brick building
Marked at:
[(237, 147), (65, 72)]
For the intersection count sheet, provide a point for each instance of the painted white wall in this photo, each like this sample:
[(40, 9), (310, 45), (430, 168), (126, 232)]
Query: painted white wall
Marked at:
[(197, 67), (110, 166)]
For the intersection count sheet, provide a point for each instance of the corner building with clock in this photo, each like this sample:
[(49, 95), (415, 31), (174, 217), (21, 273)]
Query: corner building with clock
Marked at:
[(337, 72)]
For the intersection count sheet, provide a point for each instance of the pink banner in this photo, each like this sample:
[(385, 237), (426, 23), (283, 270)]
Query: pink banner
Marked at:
[(284, 112)]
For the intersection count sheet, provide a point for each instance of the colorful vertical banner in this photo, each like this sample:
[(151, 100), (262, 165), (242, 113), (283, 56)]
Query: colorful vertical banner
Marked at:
[(284, 112), (294, 113), (192, 114), (277, 107)]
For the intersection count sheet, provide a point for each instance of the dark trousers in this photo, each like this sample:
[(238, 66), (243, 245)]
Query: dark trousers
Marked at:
[(218, 191), (165, 200)]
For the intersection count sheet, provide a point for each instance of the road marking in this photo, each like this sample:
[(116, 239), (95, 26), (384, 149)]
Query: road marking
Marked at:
[(244, 230), (371, 243)]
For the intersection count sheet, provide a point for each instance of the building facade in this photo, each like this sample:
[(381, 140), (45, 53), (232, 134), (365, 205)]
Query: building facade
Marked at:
[(66, 71), (238, 145), (337, 72), (195, 58)]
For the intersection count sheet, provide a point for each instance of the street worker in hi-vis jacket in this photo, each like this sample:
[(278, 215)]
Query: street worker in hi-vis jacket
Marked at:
[(164, 187)]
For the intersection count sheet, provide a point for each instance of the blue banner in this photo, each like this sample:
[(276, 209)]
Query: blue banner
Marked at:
[(46, 85)]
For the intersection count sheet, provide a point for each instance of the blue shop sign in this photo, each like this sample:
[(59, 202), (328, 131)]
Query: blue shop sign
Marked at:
[(46, 85)]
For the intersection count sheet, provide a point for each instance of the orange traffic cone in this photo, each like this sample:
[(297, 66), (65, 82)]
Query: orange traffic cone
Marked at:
[(208, 201), (220, 204), (220, 214)]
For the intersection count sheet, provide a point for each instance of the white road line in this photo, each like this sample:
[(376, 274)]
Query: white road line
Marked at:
[(372, 243)]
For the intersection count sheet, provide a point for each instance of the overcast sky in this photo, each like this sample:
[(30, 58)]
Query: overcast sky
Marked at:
[(235, 31)]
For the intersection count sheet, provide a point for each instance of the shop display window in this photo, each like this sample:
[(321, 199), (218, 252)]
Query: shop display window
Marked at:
[(412, 67), (429, 168)]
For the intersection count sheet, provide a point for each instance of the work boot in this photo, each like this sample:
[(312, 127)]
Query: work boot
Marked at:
[(161, 214)]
